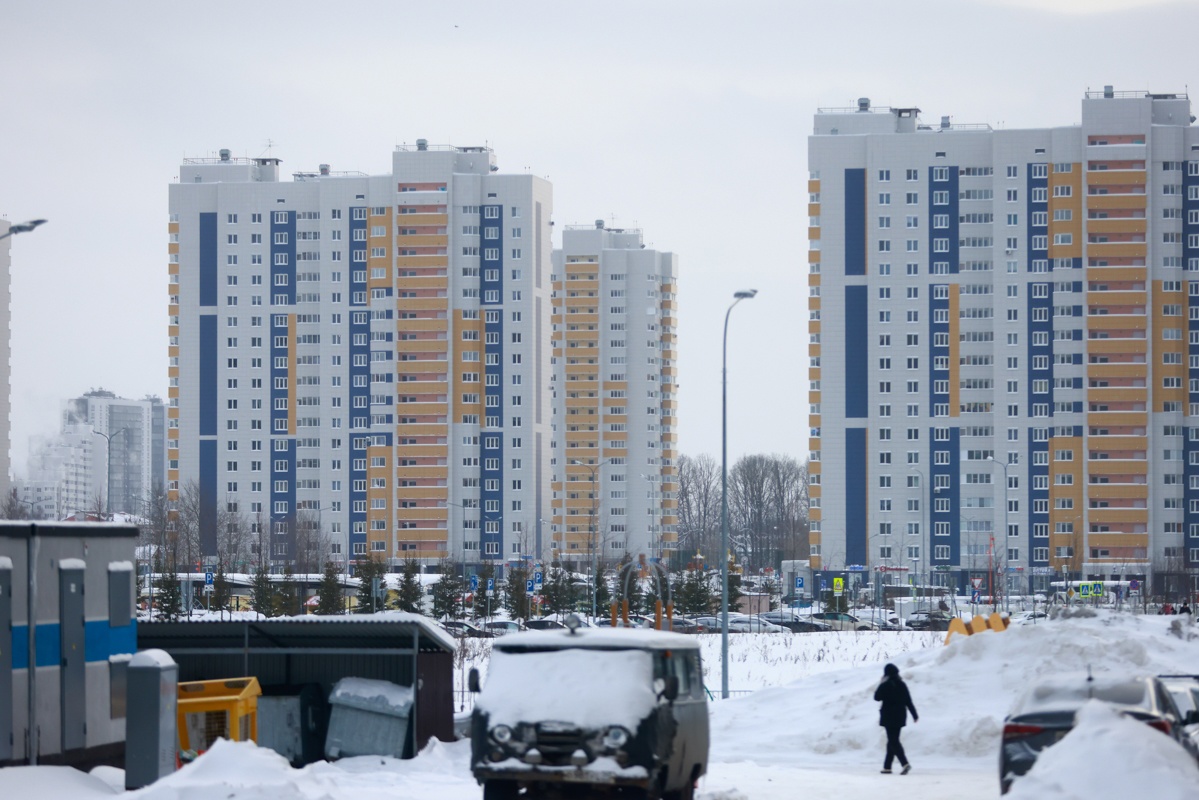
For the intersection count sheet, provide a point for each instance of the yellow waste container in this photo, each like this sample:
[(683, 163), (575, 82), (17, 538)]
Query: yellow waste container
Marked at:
[(223, 708)]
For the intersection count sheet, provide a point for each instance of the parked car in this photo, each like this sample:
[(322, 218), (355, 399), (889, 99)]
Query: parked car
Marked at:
[(545, 719), (746, 623), (928, 621), (1045, 714), (796, 623), (465, 630), (840, 621), (1184, 689), (503, 626), (543, 624), (684, 625), (885, 620)]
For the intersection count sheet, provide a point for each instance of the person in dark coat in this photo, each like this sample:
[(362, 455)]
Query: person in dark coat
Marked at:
[(893, 714)]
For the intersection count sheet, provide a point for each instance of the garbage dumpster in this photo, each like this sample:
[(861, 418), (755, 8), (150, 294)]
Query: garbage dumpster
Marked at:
[(293, 721), (223, 708), (368, 717)]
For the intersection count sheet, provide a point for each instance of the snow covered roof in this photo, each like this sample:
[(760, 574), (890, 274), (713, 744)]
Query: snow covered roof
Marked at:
[(599, 639), (357, 631)]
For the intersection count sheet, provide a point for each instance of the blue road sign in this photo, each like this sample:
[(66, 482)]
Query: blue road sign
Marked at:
[(491, 586), (208, 578), (537, 579), (474, 583), (976, 596), (529, 587), (823, 585), (798, 582)]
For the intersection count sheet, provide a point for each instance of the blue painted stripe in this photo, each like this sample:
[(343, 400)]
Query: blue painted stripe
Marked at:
[(855, 222), (492, 466), (208, 497), (856, 477), (208, 259), (857, 349), (99, 642), (208, 375)]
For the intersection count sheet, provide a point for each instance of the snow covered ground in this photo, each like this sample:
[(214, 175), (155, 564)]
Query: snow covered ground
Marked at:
[(808, 727)]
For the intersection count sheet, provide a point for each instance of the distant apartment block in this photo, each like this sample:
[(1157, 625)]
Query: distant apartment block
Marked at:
[(5, 358), (615, 402), (1027, 296), (367, 354)]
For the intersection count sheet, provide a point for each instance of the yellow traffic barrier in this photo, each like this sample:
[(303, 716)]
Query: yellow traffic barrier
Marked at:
[(222, 708), (996, 622)]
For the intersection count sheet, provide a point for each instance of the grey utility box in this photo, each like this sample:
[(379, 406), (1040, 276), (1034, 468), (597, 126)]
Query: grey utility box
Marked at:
[(292, 721), (368, 718), (150, 724)]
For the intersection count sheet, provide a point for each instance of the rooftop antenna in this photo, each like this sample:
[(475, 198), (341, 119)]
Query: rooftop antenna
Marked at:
[(269, 144)]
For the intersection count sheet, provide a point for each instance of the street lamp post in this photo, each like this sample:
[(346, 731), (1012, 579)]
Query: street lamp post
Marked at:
[(724, 494), (1006, 604), (591, 532), (22, 227), (108, 475)]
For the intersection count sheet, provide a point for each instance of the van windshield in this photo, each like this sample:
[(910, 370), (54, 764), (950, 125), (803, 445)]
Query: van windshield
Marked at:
[(585, 687)]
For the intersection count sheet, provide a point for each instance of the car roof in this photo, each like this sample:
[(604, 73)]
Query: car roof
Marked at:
[(598, 639), (1068, 691)]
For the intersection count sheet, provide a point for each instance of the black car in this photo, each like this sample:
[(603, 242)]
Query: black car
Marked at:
[(1045, 714), (928, 621), (465, 630), (795, 623), (544, 624)]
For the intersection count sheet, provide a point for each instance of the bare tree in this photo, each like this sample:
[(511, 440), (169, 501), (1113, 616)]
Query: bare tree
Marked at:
[(698, 503)]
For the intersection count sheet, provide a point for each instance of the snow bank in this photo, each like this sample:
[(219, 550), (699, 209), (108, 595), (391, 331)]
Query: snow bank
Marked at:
[(152, 658), (71, 563), (51, 782), (1107, 755), (120, 566), (590, 688)]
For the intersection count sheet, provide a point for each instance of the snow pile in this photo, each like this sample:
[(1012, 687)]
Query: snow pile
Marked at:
[(369, 694), (52, 782), (589, 688), (1107, 755)]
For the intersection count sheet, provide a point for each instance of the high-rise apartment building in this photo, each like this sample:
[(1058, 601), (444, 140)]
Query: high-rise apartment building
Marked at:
[(1027, 296), (131, 461), (364, 353), (615, 403), (5, 357)]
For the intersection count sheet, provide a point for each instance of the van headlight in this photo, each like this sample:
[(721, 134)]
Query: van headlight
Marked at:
[(615, 738), (502, 734)]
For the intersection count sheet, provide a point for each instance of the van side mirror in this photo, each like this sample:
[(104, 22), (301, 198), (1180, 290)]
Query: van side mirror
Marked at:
[(472, 680), (1192, 718), (671, 690)]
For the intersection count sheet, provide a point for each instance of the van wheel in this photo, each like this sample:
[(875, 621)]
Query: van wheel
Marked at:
[(501, 790)]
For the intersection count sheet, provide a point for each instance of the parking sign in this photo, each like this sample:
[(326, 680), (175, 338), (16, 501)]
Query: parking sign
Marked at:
[(491, 586), (529, 587), (537, 580), (798, 582)]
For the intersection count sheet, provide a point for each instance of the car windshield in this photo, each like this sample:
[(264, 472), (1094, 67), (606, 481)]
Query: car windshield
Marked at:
[(586, 687), (1064, 696)]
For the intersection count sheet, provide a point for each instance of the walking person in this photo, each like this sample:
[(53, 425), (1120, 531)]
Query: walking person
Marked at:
[(893, 713)]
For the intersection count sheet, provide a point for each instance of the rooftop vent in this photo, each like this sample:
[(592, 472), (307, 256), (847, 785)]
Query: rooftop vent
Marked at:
[(863, 104), (599, 224), (944, 123), (324, 169), (1109, 91), (422, 144), (224, 154)]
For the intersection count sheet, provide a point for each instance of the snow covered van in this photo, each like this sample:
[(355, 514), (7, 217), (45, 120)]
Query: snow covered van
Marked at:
[(580, 711)]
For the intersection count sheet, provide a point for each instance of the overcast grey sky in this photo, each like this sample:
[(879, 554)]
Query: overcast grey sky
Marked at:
[(687, 119)]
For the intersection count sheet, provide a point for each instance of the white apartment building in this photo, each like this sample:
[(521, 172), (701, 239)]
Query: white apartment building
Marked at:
[(1004, 346), (367, 352), (615, 407)]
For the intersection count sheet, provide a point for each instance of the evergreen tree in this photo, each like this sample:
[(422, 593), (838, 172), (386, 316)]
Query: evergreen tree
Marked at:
[(369, 570), (262, 592), (222, 592), (168, 595), (330, 591), (514, 597), (694, 593), (480, 607), (603, 593), (447, 593), (287, 595), (735, 593), (411, 592), (559, 591)]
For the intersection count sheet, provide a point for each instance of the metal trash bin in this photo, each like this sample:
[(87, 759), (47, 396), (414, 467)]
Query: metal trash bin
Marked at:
[(369, 718), (293, 721), (150, 724), (208, 710)]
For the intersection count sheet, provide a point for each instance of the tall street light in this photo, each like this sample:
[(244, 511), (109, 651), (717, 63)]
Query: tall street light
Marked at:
[(108, 440), (22, 227), (1006, 605), (591, 532), (724, 495)]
